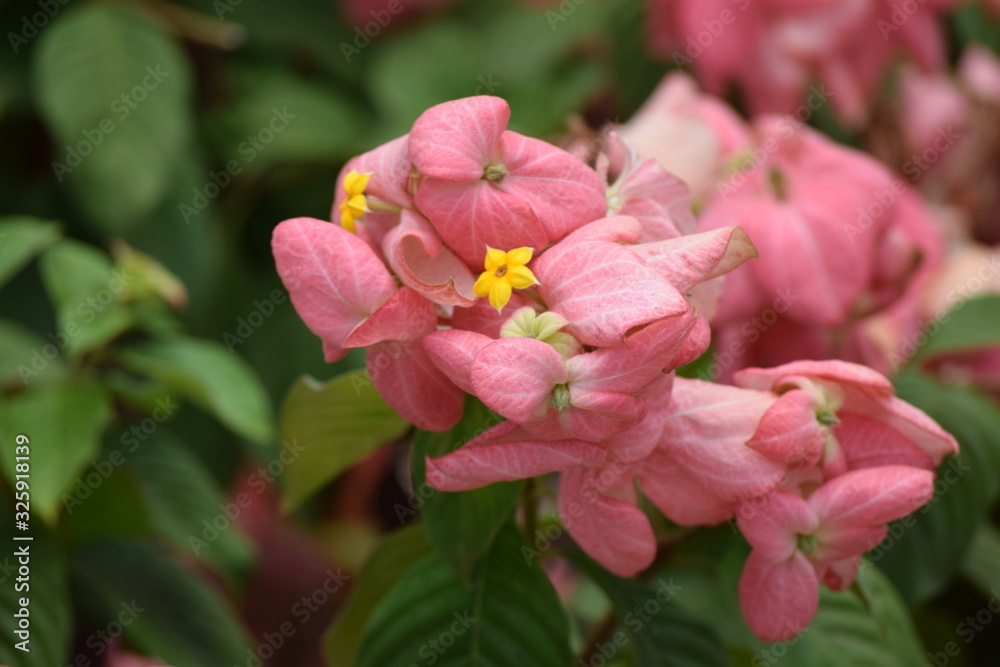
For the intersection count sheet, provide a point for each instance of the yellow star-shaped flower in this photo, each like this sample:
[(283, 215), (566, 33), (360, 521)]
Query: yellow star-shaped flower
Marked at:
[(505, 271), (355, 205)]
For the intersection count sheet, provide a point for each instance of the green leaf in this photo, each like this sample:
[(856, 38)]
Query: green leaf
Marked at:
[(848, 630), (64, 423), (179, 618), (25, 356), (48, 594), (182, 497), (923, 551), (461, 525), (390, 561), (664, 633), (980, 565), (21, 238), (510, 616), (116, 92), (973, 324), (88, 294), (211, 376), (278, 118), (337, 423)]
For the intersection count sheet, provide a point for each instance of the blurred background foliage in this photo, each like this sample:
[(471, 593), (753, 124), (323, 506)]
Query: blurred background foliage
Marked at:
[(150, 148)]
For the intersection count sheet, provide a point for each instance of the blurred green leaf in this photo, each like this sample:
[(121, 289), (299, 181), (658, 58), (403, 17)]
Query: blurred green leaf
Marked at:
[(336, 424), (181, 497), (510, 616), (667, 637), (923, 551), (88, 294), (64, 423), (21, 238), (211, 376), (973, 324), (49, 607), (178, 618), (279, 118), (110, 504), (115, 91), (24, 357), (390, 561), (461, 525), (981, 564)]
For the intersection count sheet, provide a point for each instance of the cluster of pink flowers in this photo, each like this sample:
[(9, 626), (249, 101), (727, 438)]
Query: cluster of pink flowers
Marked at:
[(774, 48), (472, 259)]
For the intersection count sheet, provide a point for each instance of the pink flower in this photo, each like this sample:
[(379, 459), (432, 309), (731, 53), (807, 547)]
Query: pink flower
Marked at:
[(799, 542), (856, 415), (484, 185)]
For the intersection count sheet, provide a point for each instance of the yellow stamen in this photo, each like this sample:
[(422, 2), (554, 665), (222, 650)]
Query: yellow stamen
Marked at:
[(355, 204)]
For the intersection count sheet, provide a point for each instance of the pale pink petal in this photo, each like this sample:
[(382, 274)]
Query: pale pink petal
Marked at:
[(833, 370), (789, 431), (563, 191), (772, 524), (681, 499), (456, 140), (778, 600), (334, 278), (868, 443), (689, 260), (616, 229), (417, 256), (912, 422), (405, 316), (613, 532), (870, 497), (516, 376), (453, 351), (598, 416), (471, 467), (604, 290), (413, 386), (471, 216)]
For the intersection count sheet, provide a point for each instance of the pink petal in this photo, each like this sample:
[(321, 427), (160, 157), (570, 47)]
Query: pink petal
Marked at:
[(773, 524), (706, 434), (832, 370), (563, 191), (868, 443), (911, 422), (598, 416), (681, 499), (413, 386), (455, 140), (870, 497), (471, 216), (604, 290), (474, 467), (789, 431), (453, 352), (389, 166), (689, 260), (417, 256), (627, 368), (778, 600), (516, 376), (334, 278), (616, 229), (613, 532), (405, 316), (483, 318)]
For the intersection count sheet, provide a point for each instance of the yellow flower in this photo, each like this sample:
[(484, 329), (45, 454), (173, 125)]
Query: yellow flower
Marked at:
[(505, 271), (355, 205)]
